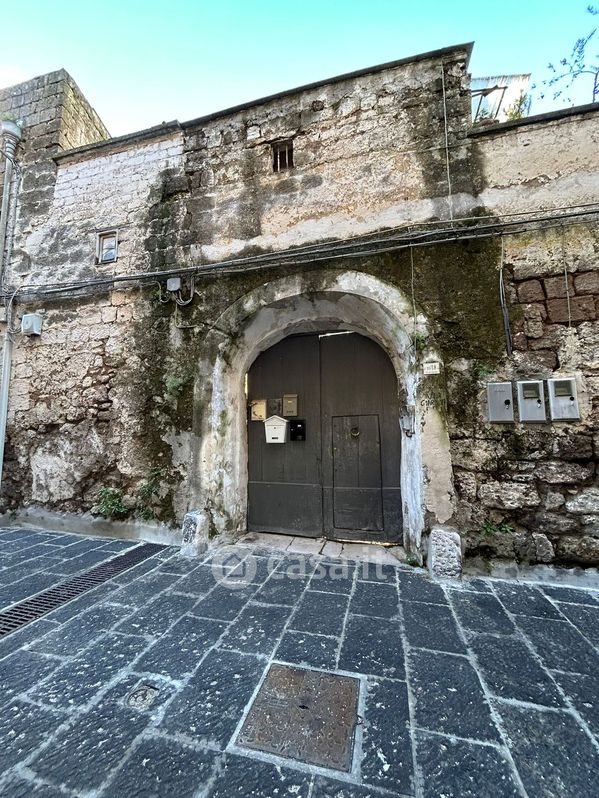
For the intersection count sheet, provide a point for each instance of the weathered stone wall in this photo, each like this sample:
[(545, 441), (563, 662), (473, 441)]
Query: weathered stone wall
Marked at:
[(530, 490), (55, 117), (118, 391)]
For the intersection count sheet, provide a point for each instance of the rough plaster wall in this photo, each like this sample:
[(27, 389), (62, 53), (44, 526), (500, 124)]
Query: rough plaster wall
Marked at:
[(108, 191), (369, 151), (540, 166), (55, 116)]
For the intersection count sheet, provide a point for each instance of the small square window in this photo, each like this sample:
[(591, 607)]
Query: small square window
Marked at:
[(107, 246), (282, 155)]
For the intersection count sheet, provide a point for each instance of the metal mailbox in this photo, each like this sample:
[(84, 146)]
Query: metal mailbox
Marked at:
[(297, 430), (563, 399), (500, 402), (290, 404), (275, 428), (531, 400)]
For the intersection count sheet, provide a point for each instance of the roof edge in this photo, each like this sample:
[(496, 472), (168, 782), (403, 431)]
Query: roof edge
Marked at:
[(327, 81), (149, 133), (175, 125), (549, 116)]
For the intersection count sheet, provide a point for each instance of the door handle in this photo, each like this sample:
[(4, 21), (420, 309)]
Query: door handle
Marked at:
[(354, 432)]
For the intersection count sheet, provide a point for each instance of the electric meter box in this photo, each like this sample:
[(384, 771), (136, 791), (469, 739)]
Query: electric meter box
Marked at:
[(31, 324), (500, 402), (276, 429), (563, 399), (531, 400)]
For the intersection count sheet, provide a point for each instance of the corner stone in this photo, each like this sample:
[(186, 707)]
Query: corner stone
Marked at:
[(444, 553), (195, 538)]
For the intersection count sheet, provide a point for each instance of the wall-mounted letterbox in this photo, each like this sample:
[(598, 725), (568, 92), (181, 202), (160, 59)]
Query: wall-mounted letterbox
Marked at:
[(531, 400), (290, 404), (563, 399), (258, 410), (276, 429), (297, 430), (500, 402)]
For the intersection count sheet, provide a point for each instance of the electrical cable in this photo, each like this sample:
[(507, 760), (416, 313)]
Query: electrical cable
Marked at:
[(332, 251), (504, 310)]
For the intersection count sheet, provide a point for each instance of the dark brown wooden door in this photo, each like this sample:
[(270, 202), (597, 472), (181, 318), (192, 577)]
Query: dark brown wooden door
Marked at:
[(357, 486), (342, 481)]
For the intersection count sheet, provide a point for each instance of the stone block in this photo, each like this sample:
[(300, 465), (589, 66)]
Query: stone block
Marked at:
[(552, 523), (574, 447), (555, 287), (530, 291), (587, 501), (556, 473), (444, 557), (543, 547), (587, 283), (508, 495), (582, 549), (534, 315), (582, 308), (195, 533), (554, 500)]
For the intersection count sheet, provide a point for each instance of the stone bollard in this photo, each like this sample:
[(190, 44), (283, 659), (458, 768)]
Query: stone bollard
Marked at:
[(195, 538), (444, 553)]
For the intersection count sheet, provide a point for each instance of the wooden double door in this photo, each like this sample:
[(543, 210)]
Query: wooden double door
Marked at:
[(342, 479)]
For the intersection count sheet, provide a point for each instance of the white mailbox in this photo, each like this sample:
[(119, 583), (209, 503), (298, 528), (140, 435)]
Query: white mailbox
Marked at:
[(531, 400), (276, 429), (563, 400)]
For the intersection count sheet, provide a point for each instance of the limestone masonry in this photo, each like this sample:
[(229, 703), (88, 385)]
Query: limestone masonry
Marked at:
[(369, 202)]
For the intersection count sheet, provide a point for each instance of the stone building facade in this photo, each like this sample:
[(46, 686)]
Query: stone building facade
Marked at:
[(389, 215)]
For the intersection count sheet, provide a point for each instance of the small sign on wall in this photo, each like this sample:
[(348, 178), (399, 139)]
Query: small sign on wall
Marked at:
[(258, 410), (432, 367)]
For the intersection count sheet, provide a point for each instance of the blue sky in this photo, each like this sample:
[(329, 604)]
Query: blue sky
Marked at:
[(141, 62)]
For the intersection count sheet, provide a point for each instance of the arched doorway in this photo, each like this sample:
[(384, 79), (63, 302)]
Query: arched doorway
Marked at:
[(338, 473), (302, 303)]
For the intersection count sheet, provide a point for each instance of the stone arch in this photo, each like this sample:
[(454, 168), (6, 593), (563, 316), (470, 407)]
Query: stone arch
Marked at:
[(349, 300)]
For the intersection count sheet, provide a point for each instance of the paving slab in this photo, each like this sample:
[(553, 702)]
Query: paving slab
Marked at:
[(455, 768), (140, 686), (553, 754)]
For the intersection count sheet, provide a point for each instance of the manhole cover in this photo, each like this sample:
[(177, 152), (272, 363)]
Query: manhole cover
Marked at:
[(142, 697), (306, 715)]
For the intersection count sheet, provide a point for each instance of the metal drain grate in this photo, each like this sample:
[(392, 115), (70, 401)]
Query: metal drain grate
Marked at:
[(33, 608)]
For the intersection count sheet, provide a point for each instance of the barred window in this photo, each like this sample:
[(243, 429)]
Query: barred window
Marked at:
[(282, 155)]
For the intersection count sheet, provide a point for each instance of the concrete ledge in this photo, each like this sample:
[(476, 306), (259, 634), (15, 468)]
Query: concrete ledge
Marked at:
[(87, 524)]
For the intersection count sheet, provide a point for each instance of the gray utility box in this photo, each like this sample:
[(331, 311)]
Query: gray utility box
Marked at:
[(500, 402), (531, 400), (31, 324), (563, 399)]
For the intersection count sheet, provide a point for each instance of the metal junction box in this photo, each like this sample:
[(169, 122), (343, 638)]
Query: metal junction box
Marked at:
[(500, 402), (31, 324), (563, 399), (276, 429), (531, 400)]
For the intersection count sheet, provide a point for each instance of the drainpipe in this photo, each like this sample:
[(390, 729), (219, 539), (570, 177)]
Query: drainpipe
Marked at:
[(11, 134)]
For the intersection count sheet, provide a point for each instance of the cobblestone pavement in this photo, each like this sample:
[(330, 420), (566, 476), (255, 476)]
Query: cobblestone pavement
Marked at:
[(488, 688)]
